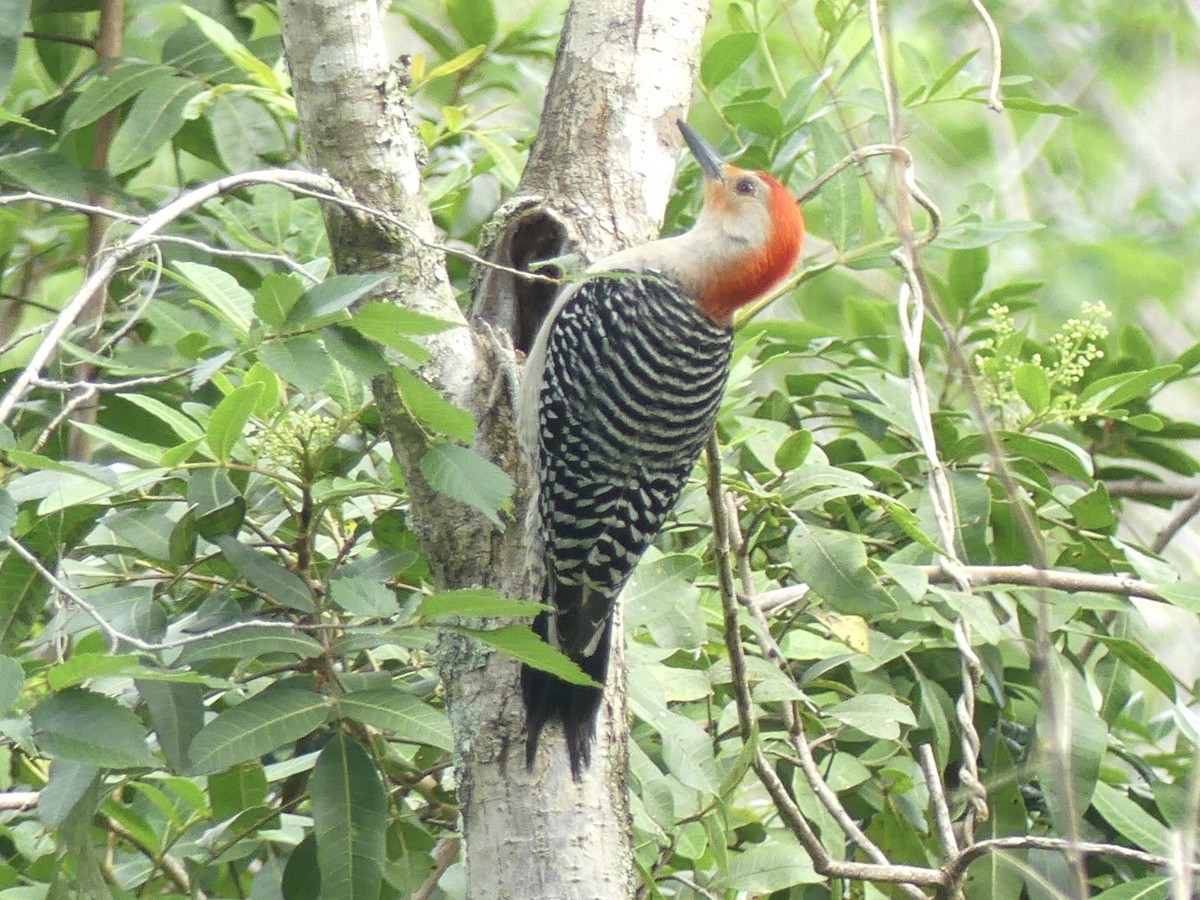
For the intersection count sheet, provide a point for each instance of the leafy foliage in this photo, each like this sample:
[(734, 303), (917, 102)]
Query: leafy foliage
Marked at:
[(234, 695)]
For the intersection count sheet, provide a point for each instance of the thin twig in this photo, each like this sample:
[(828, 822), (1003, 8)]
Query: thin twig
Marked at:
[(142, 237), (994, 100), (91, 209), (1186, 513), (1050, 579), (791, 815), (791, 718), (957, 867), (937, 799), (18, 800), (444, 854), (1145, 489), (114, 635), (911, 304)]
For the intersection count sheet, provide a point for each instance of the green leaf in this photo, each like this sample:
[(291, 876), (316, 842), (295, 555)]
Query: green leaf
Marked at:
[(23, 590), (280, 714), (474, 20), (1152, 888), (301, 361), (463, 475), (349, 810), (688, 752), (106, 92), (1086, 738), (275, 298), (8, 513), (229, 419), (522, 644), (726, 56), (475, 602), (233, 49), (430, 408), (153, 120), (1058, 453), (878, 715), (758, 116), (238, 788), (80, 667), (182, 424), (1028, 104), (176, 714), (15, 16), (363, 597), (1111, 392), (841, 203), (220, 293), (457, 64), (332, 295), (794, 450), (90, 728), (834, 565), (948, 74), (405, 717), (1033, 385), (250, 643), (12, 681), (269, 576), (70, 784), (1140, 660), (769, 867), (217, 505), (393, 326), (1184, 594), (1130, 821)]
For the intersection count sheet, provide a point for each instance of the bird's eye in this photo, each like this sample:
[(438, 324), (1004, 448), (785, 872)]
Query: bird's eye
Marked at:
[(745, 187)]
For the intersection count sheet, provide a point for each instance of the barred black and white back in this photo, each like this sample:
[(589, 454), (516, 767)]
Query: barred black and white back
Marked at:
[(620, 394)]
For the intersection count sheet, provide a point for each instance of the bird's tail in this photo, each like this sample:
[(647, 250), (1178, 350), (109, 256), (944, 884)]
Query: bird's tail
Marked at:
[(548, 697)]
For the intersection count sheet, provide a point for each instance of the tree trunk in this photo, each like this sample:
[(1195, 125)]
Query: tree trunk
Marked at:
[(598, 178)]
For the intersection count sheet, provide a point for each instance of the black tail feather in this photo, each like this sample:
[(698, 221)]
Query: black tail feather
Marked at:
[(548, 697)]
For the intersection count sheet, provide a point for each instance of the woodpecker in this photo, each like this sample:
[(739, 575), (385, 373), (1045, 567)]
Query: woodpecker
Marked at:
[(619, 394)]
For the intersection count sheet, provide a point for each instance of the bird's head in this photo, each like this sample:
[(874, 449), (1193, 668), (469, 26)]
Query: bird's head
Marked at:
[(749, 232)]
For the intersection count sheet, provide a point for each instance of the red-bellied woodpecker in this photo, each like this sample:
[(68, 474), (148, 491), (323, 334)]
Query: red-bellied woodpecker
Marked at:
[(618, 397)]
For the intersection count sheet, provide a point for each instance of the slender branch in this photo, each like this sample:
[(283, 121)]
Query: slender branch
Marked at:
[(18, 800), (60, 39), (937, 799), (144, 235), (1186, 513), (113, 634), (789, 812), (792, 721), (444, 855), (1145, 489), (956, 868), (63, 203), (1051, 579), (171, 867), (911, 302), (994, 101)]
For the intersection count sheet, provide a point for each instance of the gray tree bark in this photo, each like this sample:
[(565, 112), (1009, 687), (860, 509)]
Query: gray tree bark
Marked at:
[(598, 178)]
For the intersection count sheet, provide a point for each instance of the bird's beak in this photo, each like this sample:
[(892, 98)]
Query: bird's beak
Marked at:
[(710, 161)]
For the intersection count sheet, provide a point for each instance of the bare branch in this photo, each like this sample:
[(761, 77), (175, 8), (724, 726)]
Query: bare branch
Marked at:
[(937, 799), (788, 811), (17, 800), (994, 101), (1146, 489), (142, 237), (114, 635), (1185, 514)]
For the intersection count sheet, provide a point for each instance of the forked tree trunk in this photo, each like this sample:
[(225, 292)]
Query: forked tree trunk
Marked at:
[(598, 178)]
